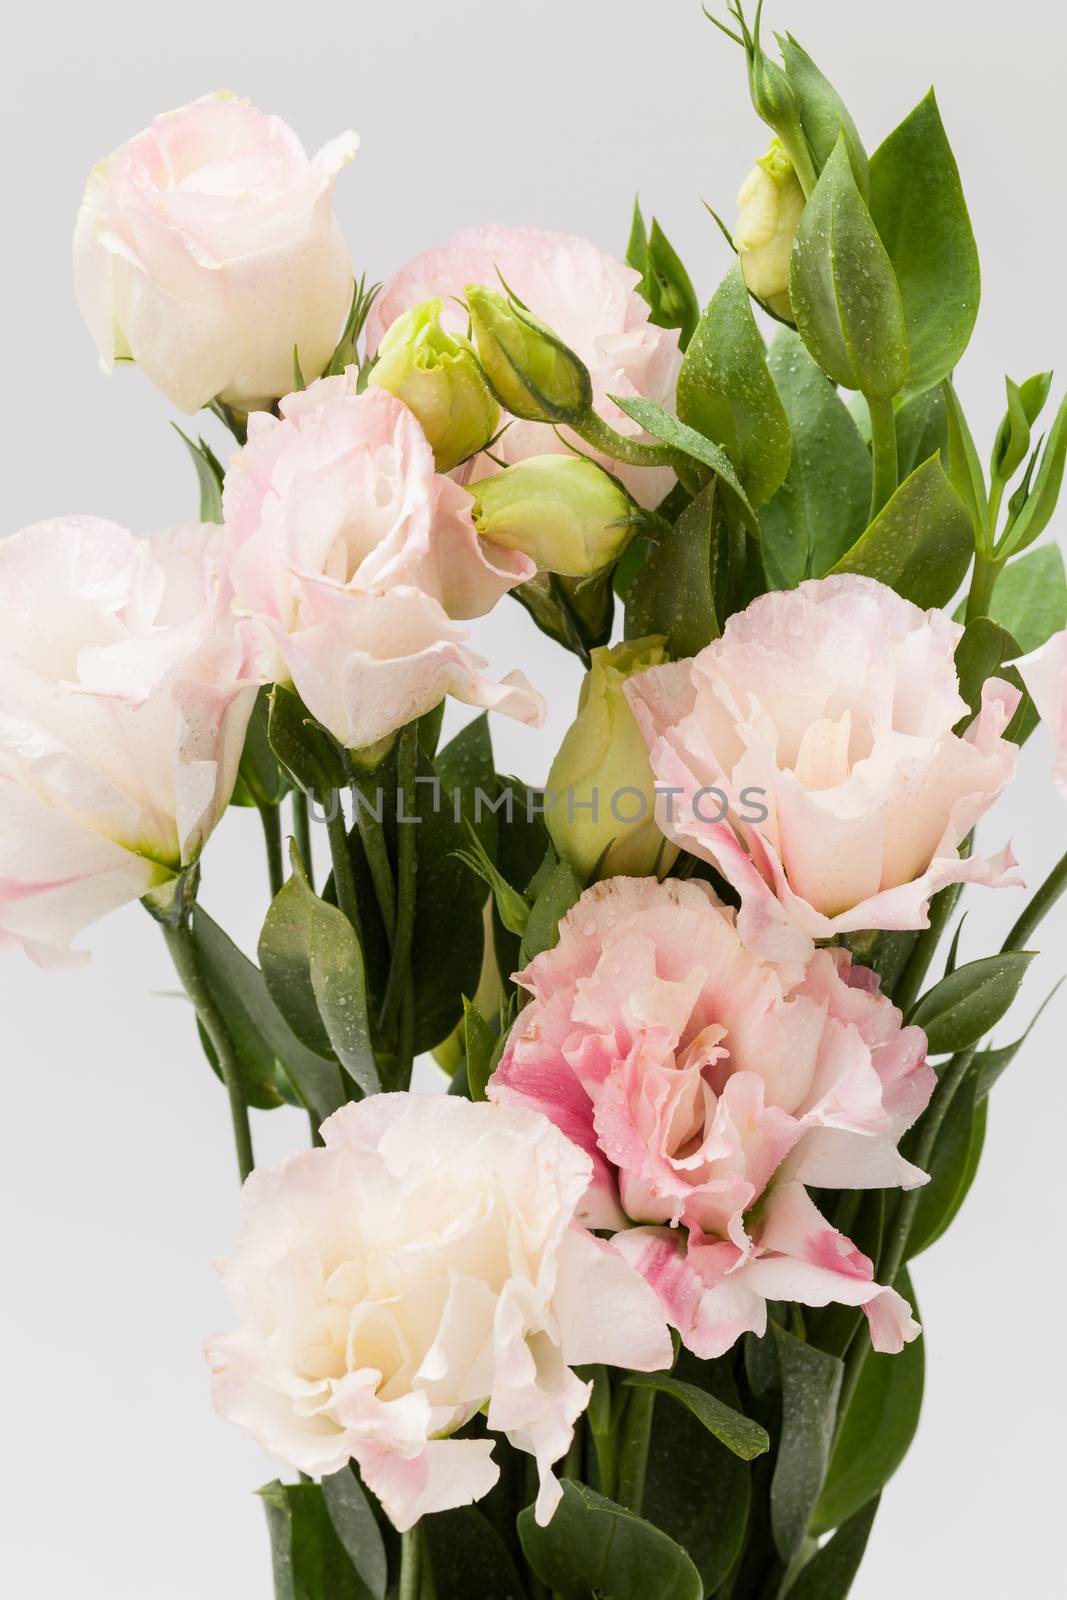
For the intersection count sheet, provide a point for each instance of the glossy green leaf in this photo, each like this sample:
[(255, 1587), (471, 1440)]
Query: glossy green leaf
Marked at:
[(823, 114), (357, 1528), (992, 1062), (468, 1557), (268, 1050), (843, 291), (665, 284), (953, 1166), (674, 592), (479, 1046), (821, 508), (921, 541), (306, 751), (830, 1572), (209, 475), (308, 1559), (877, 1431), (918, 207), (731, 1427), (811, 1382), (981, 653), (962, 464), (962, 1008), (1025, 404), (261, 781), (1030, 599), (593, 1546), (922, 430), (726, 392), (689, 442), (465, 766), (1037, 511), (560, 891)]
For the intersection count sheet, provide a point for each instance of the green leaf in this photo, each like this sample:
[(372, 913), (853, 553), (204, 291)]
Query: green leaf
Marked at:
[(955, 1162), (313, 965), (688, 441), (1030, 599), (811, 1382), (521, 847), (304, 748), (726, 392), (268, 1050), (479, 1042), (696, 1490), (738, 1433), (962, 1008), (843, 291), (962, 463), (1036, 513), (821, 508), (469, 1558), (593, 1546), (918, 207), (260, 779), (665, 284), (1025, 404), (674, 592), (920, 543), (560, 891), (308, 1559), (877, 1430), (830, 1572), (357, 1528), (981, 652), (209, 473), (823, 114), (922, 430), (991, 1063)]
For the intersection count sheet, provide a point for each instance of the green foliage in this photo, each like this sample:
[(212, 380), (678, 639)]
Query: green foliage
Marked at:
[(688, 442), (810, 1384), (356, 1526), (261, 781), (830, 1572), (209, 475), (665, 284), (824, 116), (308, 1559), (468, 1557), (593, 1546), (731, 1427), (1030, 599), (957, 1012), (920, 543), (674, 592), (479, 1047)]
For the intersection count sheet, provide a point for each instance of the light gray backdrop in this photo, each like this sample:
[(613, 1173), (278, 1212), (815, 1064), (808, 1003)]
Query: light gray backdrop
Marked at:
[(117, 1173)]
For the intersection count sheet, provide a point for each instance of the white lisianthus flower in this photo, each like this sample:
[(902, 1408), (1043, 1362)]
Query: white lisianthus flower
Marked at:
[(206, 250), (125, 692), (421, 1266)]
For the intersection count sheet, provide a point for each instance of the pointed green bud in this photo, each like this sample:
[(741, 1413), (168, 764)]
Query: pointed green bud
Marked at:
[(769, 207), (564, 511), (437, 375), (601, 782), (532, 373)]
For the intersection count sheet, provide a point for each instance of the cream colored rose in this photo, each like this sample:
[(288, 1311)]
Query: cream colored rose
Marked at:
[(769, 207)]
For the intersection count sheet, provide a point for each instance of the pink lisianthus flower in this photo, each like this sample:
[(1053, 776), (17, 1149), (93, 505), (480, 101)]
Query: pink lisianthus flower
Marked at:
[(588, 299), (831, 709), (423, 1265), (358, 559), (708, 1086), (1044, 672)]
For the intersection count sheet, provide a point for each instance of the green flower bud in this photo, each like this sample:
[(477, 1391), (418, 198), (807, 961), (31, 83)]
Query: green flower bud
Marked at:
[(769, 207), (564, 511), (532, 373), (601, 781), (438, 377)]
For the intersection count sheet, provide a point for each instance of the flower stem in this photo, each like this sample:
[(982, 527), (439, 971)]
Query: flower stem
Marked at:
[(186, 960), (1041, 904), (343, 879), (634, 1436), (410, 1564), (632, 452), (302, 832), (407, 863), (372, 837), (270, 816), (883, 452), (983, 582)]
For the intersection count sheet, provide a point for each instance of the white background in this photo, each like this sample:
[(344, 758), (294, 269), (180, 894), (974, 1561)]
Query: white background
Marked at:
[(117, 1177)]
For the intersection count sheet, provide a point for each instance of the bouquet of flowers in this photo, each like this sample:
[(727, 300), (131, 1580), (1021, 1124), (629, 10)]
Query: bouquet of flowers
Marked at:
[(623, 1308)]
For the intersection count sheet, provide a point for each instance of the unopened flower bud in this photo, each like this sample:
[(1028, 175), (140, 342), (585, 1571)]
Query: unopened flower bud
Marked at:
[(770, 203), (532, 373), (437, 376), (604, 799), (570, 515)]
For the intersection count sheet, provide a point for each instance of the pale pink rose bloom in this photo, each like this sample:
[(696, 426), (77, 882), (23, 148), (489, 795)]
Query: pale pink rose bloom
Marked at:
[(708, 1086), (425, 1264), (1044, 672), (206, 249), (358, 558), (125, 692), (586, 297), (832, 707)]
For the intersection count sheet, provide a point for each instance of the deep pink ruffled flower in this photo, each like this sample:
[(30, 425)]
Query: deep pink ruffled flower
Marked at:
[(709, 1085), (589, 299), (831, 708)]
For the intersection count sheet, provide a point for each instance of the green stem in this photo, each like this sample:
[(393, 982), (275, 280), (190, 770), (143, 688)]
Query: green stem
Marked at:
[(883, 452), (633, 452), (634, 1437), (186, 960), (344, 882), (372, 837), (983, 582), (271, 818), (1042, 903), (302, 831), (407, 867), (410, 1564)]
